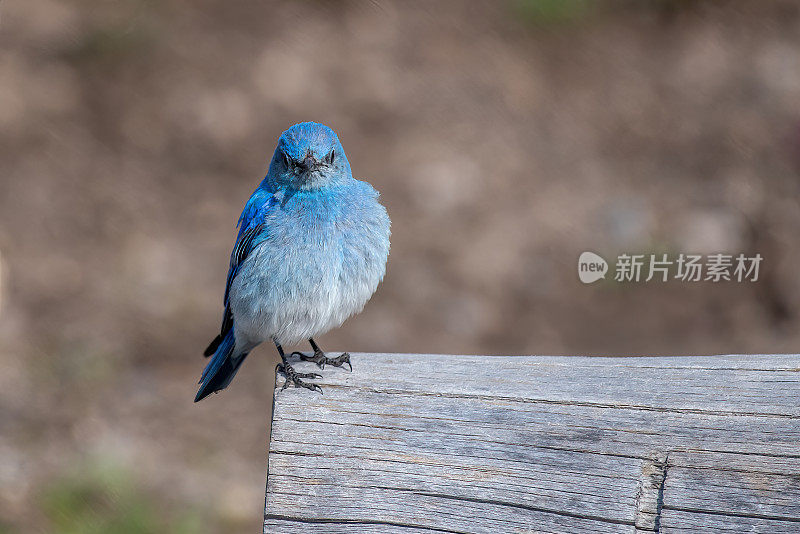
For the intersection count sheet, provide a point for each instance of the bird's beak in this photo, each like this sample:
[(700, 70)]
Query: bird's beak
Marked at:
[(309, 163)]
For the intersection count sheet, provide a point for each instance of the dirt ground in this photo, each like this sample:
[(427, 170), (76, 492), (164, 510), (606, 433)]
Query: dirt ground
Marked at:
[(505, 137)]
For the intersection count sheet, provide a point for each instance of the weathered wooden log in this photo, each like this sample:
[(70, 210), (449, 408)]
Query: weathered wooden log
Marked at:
[(494, 444)]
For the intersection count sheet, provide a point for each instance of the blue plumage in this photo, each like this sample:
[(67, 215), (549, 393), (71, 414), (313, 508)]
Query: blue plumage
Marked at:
[(311, 250)]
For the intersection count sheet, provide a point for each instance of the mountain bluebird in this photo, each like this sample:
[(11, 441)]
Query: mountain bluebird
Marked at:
[(312, 248)]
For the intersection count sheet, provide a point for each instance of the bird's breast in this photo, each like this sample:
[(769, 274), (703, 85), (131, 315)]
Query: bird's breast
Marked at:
[(320, 263)]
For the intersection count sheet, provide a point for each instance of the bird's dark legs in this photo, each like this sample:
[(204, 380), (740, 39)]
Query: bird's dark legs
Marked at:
[(321, 360), (291, 376)]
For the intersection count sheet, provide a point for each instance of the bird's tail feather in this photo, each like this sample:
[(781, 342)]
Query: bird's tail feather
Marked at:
[(213, 346), (221, 369)]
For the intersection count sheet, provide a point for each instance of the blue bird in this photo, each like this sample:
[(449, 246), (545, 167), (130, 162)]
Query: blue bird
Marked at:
[(311, 250)]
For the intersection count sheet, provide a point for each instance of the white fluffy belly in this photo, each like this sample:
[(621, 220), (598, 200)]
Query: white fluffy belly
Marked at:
[(297, 295)]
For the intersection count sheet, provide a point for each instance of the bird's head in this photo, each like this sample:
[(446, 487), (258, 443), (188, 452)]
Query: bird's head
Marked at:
[(308, 156)]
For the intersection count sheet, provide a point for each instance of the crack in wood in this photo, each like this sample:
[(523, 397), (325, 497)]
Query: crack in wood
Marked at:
[(613, 477), (660, 501), (526, 445), (466, 436), (533, 400), (316, 482), (650, 495), (518, 506), (335, 521), (768, 517)]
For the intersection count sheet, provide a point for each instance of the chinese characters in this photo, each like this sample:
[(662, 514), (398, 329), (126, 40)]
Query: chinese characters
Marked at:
[(687, 268)]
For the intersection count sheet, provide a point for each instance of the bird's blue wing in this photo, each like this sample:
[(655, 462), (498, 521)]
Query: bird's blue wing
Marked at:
[(252, 232)]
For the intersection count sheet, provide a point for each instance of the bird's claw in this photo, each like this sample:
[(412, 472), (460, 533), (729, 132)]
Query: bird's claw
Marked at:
[(295, 378), (321, 360), (340, 360)]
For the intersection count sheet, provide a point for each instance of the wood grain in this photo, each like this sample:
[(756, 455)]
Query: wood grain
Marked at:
[(479, 444)]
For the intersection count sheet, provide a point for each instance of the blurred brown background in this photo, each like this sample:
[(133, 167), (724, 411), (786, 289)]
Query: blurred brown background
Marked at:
[(505, 137)]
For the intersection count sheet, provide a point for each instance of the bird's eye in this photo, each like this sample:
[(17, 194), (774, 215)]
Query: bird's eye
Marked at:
[(287, 161), (330, 156)]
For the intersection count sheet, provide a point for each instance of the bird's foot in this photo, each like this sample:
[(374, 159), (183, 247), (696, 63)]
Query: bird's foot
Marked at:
[(321, 360), (295, 378)]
